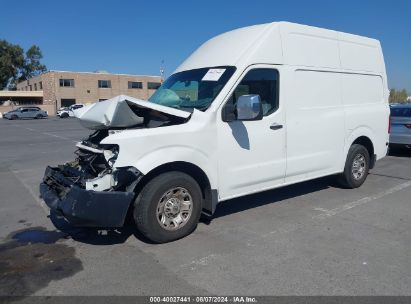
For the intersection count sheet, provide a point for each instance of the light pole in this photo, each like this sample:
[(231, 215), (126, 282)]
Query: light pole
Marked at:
[(162, 71)]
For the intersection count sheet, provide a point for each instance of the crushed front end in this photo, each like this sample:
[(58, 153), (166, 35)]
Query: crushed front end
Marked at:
[(90, 191)]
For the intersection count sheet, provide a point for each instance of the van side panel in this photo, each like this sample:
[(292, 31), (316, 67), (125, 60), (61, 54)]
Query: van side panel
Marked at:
[(309, 46), (360, 54), (366, 110), (315, 124), (358, 89)]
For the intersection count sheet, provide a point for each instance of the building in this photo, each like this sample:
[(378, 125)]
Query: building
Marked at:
[(62, 88)]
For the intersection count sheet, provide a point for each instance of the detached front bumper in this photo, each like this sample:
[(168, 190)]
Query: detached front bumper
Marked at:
[(83, 207)]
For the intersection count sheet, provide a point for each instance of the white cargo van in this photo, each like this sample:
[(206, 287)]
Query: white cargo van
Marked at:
[(253, 109)]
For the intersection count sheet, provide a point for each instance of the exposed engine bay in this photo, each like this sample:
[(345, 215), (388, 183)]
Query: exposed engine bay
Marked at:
[(93, 167), (88, 189)]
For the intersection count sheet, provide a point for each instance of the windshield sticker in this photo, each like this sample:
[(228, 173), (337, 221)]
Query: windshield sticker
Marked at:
[(213, 75)]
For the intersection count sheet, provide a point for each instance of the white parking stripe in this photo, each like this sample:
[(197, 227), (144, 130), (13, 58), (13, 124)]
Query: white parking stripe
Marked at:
[(204, 261), (33, 194), (327, 213), (47, 133), (54, 135)]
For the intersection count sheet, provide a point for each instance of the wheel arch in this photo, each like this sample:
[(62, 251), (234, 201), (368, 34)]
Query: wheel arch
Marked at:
[(210, 197)]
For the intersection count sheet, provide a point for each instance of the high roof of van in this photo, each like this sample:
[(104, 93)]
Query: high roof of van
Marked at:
[(290, 44)]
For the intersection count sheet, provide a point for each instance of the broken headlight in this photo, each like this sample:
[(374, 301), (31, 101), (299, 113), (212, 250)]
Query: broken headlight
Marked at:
[(110, 154)]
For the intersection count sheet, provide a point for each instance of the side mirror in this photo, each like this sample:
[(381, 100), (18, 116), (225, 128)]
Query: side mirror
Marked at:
[(249, 107)]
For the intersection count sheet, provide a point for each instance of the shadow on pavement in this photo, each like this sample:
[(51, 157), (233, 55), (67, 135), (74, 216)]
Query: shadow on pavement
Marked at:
[(272, 196), (97, 236), (399, 152), (104, 236)]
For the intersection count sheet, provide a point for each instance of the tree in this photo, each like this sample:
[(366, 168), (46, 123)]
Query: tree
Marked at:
[(403, 95), (32, 66), (11, 61), (398, 96), (15, 65)]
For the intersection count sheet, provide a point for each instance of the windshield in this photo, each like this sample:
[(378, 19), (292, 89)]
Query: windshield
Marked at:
[(194, 88), (401, 111)]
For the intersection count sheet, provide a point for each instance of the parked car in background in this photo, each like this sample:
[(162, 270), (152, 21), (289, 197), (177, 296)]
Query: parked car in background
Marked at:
[(68, 111), (63, 112), (26, 112), (400, 134)]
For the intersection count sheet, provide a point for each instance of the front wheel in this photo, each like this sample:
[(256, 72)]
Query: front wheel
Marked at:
[(356, 167), (168, 207)]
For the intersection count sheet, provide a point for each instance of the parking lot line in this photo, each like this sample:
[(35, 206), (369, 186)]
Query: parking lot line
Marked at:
[(327, 213), (54, 135), (48, 134), (33, 194)]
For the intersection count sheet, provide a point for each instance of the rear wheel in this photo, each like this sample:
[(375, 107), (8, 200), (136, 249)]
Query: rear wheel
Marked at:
[(356, 167), (168, 207)]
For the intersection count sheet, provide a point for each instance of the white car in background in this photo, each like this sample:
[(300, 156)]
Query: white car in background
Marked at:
[(68, 111)]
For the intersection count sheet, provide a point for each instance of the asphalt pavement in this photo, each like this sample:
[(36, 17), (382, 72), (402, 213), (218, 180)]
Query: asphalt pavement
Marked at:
[(312, 238)]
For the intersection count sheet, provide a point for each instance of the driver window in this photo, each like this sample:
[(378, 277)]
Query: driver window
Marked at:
[(263, 82)]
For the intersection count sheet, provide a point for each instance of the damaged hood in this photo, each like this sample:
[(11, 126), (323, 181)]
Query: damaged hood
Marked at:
[(116, 113)]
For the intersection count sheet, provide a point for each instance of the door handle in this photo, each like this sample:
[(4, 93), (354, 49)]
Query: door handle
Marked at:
[(276, 126)]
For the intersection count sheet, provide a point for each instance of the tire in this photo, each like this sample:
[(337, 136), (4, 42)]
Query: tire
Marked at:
[(164, 190), (64, 115), (38, 116), (13, 117), (354, 177)]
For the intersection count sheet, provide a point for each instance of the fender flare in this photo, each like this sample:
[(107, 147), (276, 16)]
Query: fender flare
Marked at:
[(176, 157), (361, 131)]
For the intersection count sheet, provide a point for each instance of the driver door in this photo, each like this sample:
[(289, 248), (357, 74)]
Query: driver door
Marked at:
[(252, 154)]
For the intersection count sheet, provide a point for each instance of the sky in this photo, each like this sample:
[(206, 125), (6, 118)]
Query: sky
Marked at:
[(133, 37)]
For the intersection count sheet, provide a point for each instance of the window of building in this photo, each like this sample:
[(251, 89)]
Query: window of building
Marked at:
[(135, 85), (29, 102), (153, 85), (31, 89), (35, 87), (67, 83), (41, 85), (263, 82), (26, 88), (67, 102), (104, 83)]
